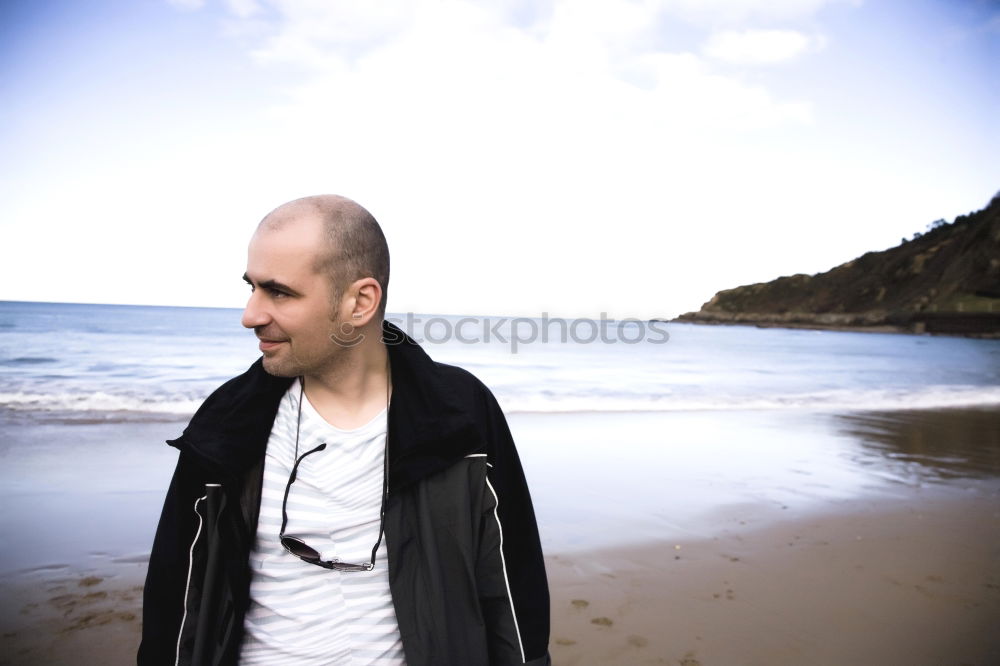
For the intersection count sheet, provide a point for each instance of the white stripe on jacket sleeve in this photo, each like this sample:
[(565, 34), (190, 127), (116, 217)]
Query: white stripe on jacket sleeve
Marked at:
[(503, 565), (187, 586)]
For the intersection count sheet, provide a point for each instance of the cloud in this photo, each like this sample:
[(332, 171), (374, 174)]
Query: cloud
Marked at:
[(759, 47), (715, 13), (187, 5), (243, 8), (575, 59), (492, 125), (317, 33)]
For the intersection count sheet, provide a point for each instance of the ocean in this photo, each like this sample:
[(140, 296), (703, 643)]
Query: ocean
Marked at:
[(71, 361), (629, 431)]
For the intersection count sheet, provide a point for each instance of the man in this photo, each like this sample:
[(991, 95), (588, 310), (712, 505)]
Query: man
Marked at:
[(373, 505)]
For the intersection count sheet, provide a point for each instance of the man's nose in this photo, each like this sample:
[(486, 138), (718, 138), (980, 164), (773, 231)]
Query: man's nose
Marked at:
[(254, 314)]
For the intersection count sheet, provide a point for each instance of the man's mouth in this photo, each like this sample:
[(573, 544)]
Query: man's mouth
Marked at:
[(266, 344)]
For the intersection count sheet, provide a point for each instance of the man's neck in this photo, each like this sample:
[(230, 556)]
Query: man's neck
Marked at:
[(351, 394)]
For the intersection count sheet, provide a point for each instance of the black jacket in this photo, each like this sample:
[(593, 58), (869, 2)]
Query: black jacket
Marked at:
[(465, 564)]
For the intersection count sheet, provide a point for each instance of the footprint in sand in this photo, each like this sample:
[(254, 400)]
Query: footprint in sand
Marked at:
[(565, 641), (689, 660), (637, 641), (580, 603), (602, 621)]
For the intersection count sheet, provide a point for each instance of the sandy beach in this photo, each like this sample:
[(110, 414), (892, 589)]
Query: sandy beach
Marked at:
[(900, 584), (909, 583), (903, 569)]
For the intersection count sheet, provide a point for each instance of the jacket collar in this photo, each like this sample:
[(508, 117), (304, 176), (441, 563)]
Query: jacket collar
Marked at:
[(430, 421)]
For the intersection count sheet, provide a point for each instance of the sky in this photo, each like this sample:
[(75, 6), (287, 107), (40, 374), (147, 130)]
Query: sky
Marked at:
[(568, 157)]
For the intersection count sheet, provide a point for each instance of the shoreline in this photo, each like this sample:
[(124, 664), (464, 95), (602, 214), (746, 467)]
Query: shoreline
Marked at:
[(805, 321), (777, 538)]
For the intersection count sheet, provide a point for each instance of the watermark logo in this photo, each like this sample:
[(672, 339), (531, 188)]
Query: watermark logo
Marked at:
[(516, 332), (347, 335)]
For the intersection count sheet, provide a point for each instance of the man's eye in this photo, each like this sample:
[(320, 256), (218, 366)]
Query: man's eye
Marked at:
[(277, 294)]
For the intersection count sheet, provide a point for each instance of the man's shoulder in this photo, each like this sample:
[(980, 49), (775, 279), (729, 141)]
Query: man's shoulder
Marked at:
[(458, 376), (467, 388), (241, 408), (250, 386)]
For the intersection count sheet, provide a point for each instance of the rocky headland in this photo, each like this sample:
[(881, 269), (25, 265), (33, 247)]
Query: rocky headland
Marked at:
[(946, 280)]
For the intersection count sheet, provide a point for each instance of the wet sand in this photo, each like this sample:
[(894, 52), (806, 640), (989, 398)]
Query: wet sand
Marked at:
[(909, 583), (914, 583), (875, 541), (63, 616)]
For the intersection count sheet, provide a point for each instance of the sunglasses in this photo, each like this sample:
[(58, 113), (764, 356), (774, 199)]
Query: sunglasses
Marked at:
[(307, 553)]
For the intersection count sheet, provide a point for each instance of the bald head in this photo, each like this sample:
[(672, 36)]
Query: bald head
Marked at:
[(355, 247)]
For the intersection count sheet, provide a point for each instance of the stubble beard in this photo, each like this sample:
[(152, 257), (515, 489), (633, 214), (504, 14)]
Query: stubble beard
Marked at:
[(287, 363), (279, 367)]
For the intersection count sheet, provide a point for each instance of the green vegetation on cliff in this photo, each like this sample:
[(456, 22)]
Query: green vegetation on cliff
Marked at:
[(945, 280)]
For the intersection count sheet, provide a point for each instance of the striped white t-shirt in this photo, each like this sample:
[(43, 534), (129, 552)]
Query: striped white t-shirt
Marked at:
[(301, 613)]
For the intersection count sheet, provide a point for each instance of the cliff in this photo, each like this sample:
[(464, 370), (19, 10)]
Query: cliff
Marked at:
[(946, 280)]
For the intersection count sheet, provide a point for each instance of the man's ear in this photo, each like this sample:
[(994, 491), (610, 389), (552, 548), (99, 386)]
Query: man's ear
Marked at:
[(366, 294)]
